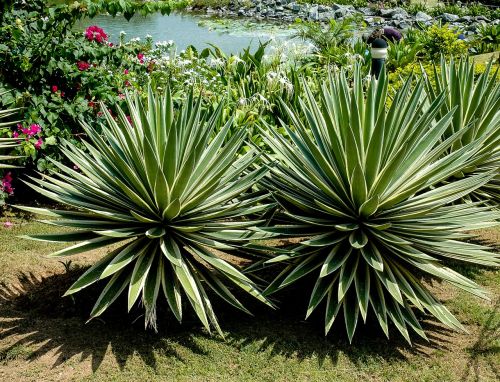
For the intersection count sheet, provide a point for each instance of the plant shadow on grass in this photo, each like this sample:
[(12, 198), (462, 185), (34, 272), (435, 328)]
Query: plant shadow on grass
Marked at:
[(487, 343), (34, 314)]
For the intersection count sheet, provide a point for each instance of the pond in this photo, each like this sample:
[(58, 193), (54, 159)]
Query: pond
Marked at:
[(231, 35)]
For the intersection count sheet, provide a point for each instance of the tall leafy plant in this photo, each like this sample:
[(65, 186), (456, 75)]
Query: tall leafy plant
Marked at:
[(167, 189), (6, 144), (477, 104), (361, 184)]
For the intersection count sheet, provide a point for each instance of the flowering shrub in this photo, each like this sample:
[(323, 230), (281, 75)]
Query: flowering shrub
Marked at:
[(58, 86), (58, 75), (6, 188)]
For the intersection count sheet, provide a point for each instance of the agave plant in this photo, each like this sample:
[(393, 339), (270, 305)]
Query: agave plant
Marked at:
[(6, 143), (361, 185), (477, 104), (169, 189)]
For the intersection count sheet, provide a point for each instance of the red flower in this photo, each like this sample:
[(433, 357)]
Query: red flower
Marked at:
[(35, 129), (140, 57), (125, 71), (8, 177), (92, 104), (54, 88), (94, 33), (6, 184), (82, 65)]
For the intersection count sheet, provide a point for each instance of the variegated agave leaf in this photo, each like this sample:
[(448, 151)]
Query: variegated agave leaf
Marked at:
[(477, 103), (170, 188), (7, 144), (363, 182)]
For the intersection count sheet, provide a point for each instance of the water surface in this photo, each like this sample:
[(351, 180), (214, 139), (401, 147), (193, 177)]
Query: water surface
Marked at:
[(231, 35)]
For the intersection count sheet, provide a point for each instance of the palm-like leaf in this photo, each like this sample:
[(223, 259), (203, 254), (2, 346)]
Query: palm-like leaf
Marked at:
[(477, 104), (169, 189), (358, 179), (6, 143)]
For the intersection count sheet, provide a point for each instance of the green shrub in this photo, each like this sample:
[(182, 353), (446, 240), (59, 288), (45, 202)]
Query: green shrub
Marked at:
[(363, 184), (477, 104), (401, 54), (438, 40), (166, 186), (487, 38)]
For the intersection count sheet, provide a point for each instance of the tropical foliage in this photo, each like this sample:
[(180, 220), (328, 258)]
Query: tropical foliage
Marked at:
[(6, 143), (57, 86), (376, 180), (170, 188), (477, 105), (361, 184), (6, 146)]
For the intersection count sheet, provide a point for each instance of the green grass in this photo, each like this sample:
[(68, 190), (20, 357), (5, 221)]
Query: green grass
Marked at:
[(44, 337)]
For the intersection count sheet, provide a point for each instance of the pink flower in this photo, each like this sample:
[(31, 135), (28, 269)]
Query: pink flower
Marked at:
[(94, 33), (7, 178), (8, 224), (39, 143), (125, 71), (82, 65), (121, 96), (100, 114), (34, 129), (6, 184), (25, 131), (54, 88), (140, 57), (63, 94), (15, 134)]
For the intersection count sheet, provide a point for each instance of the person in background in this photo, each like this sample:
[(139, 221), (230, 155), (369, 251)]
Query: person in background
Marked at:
[(387, 33)]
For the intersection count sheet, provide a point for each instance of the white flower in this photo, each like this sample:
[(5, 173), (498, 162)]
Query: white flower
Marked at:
[(216, 62)]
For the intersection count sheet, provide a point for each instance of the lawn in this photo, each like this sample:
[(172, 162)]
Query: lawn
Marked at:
[(46, 337)]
